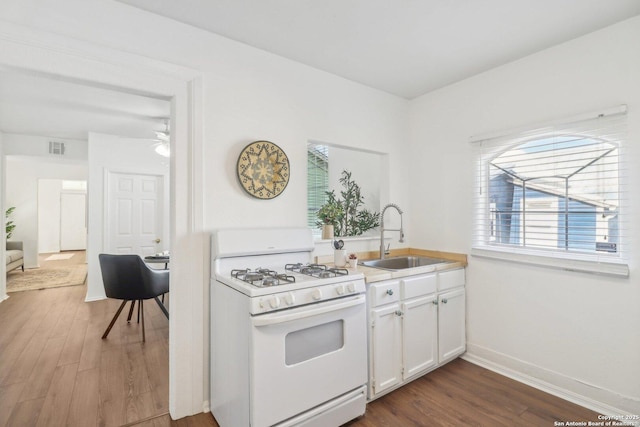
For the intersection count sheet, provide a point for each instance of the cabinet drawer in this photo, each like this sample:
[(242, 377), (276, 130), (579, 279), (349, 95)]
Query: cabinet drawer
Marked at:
[(450, 279), (417, 286), (384, 293)]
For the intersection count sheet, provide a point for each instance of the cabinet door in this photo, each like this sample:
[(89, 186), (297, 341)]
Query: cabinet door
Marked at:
[(451, 324), (419, 334), (386, 347)]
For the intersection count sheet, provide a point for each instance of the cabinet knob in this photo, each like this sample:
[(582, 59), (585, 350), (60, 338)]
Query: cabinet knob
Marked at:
[(444, 300), (399, 313), (389, 291), (435, 302)]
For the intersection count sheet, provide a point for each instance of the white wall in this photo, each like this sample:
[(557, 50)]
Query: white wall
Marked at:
[(3, 267), (49, 215), (575, 331), (289, 104), (116, 154), (22, 175)]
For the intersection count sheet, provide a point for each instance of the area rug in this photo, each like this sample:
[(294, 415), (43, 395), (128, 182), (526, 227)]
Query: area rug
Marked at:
[(40, 278), (57, 257)]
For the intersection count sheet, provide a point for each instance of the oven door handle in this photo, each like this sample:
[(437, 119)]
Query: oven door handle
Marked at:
[(289, 315)]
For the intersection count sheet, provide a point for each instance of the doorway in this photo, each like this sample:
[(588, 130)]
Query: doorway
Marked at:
[(62, 214), (73, 221), (97, 66)]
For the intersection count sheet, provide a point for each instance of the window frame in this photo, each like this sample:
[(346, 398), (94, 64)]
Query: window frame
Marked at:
[(489, 148), (318, 194)]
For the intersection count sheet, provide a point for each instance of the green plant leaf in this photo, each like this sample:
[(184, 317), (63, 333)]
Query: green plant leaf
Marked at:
[(346, 214)]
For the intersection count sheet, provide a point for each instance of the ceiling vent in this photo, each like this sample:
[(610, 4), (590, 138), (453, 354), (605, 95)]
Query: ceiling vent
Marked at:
[(56, 148)]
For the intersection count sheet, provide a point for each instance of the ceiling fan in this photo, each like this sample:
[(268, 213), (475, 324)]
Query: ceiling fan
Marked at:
[(161, 143), (163, 146)]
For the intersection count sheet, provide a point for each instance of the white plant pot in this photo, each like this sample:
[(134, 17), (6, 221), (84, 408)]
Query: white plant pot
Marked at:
[(340, 257)]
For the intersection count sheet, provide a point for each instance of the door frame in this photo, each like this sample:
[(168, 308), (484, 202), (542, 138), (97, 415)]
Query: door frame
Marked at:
[(40, 52)]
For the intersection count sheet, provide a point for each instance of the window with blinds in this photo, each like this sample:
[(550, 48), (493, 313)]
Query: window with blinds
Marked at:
[(317, 180), (555, 190)]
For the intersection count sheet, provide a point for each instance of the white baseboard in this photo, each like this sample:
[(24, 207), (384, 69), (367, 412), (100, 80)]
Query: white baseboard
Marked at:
[(600, 400), (94, 299), (4, 297)]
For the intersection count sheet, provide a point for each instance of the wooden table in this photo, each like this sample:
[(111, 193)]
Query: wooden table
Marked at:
[(154, 259)]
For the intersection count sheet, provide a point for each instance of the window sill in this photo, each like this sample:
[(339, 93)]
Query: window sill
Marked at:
[(593, 266), (347, 239)]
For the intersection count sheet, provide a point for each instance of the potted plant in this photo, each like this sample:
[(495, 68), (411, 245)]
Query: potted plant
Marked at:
[(329, 215), (346, 213), (9, 225), (353, 260)]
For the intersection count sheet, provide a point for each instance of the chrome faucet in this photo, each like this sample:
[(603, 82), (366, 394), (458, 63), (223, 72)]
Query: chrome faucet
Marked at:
[(382, 230)]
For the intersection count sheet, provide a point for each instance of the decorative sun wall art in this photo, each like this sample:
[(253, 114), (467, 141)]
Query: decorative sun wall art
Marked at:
[(263, 169)]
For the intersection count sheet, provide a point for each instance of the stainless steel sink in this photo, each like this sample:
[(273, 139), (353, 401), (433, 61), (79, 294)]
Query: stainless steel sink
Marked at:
[(401, 263)]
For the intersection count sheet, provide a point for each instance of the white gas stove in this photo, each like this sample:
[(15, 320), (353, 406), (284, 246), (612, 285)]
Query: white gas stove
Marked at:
[(288, 337), (282, 276)]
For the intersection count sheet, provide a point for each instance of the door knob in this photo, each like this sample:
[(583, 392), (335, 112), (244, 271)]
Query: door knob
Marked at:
[(157, 240)]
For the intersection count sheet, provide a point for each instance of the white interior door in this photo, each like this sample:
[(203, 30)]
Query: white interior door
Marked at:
[(134, 214), (73, 222)]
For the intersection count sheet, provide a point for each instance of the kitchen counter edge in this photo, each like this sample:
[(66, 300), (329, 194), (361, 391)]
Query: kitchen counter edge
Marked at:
[(372, 274)]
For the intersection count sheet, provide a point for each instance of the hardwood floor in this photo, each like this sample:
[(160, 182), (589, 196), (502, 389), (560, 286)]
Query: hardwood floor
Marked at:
[(55, 370), (78, 257), (463, 394)]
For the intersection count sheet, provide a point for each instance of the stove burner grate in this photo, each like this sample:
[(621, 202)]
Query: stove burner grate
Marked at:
[(262, 277), (320, 271)]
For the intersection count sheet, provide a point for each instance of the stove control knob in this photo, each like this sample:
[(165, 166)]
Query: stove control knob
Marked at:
[(289, 299), (351, 287), (340, 289), (274, 301), (316, 294)]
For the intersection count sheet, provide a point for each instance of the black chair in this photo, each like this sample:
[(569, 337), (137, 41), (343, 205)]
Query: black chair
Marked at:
[(129, 278)]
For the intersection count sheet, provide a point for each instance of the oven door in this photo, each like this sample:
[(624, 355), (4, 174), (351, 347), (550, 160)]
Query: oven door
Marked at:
[(304, 357)]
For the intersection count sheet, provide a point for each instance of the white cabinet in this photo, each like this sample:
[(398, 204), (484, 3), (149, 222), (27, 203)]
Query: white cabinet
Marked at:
[(419, 337), (451, 325), (386, 347), (416, 324)]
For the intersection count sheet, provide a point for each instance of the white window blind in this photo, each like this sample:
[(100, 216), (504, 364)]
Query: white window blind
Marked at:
[(556, 190), (317, 180)]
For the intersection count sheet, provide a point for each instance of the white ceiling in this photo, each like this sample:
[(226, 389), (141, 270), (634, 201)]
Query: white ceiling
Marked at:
[(404, 47), (32, 104)]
